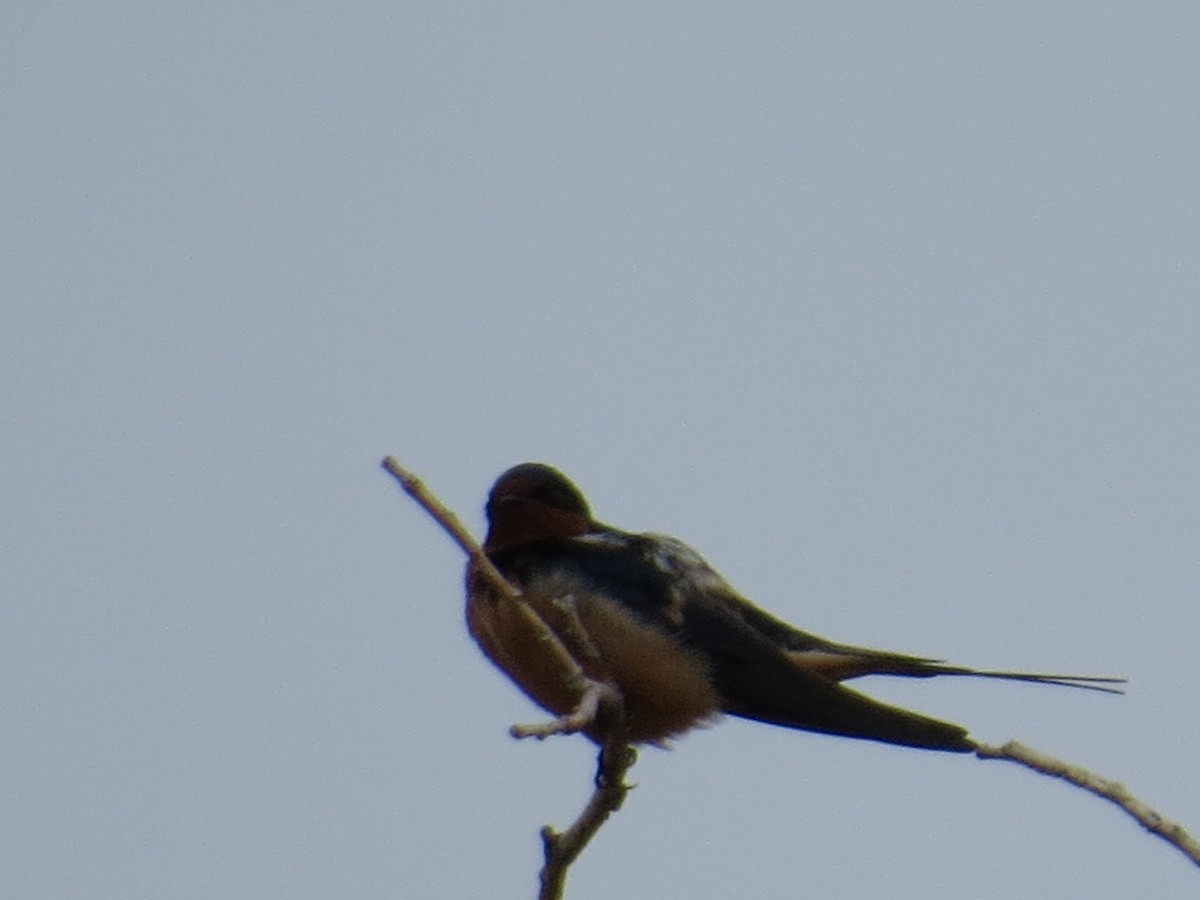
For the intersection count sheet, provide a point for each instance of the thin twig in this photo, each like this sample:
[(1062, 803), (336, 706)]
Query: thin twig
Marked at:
[(482, 566), (415, 488), (1171, 832), (584, 714), (560, 849), (601, 701), (574, 629), (598, 701)]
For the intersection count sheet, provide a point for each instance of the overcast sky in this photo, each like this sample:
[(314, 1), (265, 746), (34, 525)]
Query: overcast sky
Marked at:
[(893, 313)]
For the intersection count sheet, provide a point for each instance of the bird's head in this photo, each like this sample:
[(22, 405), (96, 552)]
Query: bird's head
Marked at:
[(532, 502)]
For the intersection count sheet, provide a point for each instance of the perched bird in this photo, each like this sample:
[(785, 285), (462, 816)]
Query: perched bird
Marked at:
[(646, 615)]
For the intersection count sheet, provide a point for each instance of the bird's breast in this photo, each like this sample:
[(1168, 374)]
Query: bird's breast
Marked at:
[(666, 686)]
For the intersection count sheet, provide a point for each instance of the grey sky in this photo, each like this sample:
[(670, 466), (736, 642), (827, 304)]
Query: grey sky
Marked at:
[(893, 313)]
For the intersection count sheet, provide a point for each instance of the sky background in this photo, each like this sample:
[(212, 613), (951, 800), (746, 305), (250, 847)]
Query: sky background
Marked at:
[(893, 313)]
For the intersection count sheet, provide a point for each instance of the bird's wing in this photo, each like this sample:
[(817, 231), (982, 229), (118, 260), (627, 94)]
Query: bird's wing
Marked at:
[(752, 659), (831, 660)]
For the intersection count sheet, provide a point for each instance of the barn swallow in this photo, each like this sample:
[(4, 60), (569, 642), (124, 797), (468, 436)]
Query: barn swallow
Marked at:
[(647, 615)]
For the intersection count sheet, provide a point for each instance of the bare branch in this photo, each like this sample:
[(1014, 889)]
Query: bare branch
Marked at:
[(599, 702), (482, 566), (584, 714), (616, 756), (415, 488), (600, 711), (1171, 832)]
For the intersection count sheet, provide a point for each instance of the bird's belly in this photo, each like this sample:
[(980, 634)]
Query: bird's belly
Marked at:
[(666, 688)]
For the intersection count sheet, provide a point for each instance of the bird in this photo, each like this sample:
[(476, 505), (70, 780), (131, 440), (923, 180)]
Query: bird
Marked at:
[(647, 616)]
